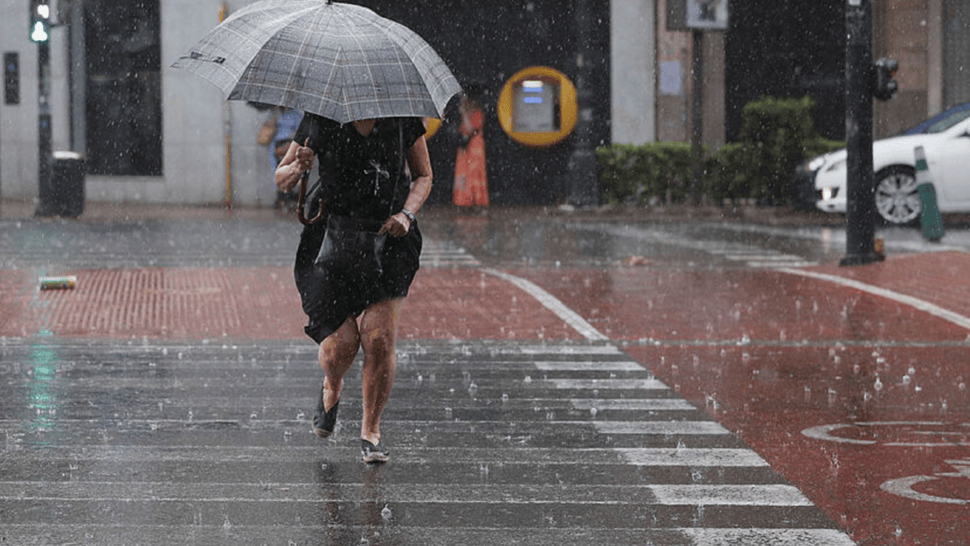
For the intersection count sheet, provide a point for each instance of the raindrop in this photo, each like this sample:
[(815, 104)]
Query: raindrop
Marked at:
[(472, 389), (420, 379), (878, 384), (386, 514), (593, 412), (911, 371), (300, 416), (962, 386), (505, 397), (448, 413), (528, 380), (907, 380)]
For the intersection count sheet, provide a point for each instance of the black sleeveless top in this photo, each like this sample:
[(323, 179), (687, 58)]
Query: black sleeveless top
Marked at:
[(361, 176)]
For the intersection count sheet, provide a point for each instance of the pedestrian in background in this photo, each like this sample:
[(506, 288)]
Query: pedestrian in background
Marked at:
[(287, 121), (471, 182), (364, 168)]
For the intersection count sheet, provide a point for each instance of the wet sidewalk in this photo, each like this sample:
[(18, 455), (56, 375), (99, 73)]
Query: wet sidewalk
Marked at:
[(167, 398)]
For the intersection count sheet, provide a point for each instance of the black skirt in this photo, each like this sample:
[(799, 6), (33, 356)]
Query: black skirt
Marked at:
[(330, 298)]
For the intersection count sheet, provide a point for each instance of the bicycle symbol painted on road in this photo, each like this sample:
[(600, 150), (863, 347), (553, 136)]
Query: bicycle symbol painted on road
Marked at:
[(904, 487), (910, 434)]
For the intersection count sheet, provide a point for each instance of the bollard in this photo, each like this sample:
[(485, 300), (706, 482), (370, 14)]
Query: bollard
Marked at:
[(930, 218)]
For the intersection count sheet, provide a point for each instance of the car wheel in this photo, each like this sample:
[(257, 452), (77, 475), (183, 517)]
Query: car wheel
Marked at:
[(897, 197)]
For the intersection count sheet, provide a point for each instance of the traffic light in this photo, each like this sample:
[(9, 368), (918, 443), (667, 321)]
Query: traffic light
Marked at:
[(883, 84), (40, 21)]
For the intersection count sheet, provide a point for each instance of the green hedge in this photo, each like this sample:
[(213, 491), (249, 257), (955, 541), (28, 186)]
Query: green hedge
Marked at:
[(632, 174), (776, 135)]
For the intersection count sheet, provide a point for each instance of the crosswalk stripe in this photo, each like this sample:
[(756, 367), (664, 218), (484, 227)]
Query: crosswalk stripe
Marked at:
[(774, 537)]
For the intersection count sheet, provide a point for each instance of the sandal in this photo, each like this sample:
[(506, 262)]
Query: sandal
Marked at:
[(374, 454), (324, 421)]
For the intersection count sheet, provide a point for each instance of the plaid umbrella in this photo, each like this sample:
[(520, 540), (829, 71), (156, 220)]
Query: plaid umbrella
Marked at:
[(341, 61)]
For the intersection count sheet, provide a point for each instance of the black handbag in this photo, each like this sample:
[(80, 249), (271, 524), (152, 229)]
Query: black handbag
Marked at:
[(352, 247)]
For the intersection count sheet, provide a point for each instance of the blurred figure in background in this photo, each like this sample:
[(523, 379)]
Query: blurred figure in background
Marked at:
[(287, 121), (471, 182)]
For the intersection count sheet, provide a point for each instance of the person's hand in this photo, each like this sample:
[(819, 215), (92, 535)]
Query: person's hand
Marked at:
[(397, 225), (305, 157)]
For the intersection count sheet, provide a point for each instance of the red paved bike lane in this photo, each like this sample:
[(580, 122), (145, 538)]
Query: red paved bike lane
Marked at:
[(859, 400)]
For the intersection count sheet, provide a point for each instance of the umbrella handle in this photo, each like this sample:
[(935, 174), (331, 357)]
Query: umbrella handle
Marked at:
[(301, 205)]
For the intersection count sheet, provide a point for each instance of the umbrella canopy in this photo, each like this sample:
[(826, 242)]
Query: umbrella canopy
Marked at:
[(341, 61)]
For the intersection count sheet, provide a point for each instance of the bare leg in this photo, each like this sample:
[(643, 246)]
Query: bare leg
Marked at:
[(336, 356), (378, 336)]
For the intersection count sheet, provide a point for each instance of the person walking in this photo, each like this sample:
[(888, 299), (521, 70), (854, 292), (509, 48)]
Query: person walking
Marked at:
[(471, 181), (365, 169)]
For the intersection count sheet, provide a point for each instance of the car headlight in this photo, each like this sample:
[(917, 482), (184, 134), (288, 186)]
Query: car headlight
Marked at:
[(829, 193)]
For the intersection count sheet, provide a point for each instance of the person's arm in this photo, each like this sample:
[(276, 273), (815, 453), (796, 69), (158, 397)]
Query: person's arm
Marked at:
[(298, 159), (420, 163)]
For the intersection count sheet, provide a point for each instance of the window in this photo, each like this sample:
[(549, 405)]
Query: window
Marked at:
[(123, 112)]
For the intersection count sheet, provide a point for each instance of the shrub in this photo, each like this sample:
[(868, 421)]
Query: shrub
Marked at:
[(776, 135), (637, 174)]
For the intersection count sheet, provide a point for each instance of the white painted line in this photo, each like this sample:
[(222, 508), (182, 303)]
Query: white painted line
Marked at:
[(767, 537), (552, 303), (730, 495), (712, 457), (767, 257), (606, 366), (646, 404), (925, 306), (673, 428), (779, 265), (632, 384)]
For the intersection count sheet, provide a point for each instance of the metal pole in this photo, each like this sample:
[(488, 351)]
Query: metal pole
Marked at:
[(584, 184), (697, 129), (227, 128), (860, 196), (44, 134)]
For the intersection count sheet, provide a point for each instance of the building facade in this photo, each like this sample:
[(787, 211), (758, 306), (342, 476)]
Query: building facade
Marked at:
[(153, 134)]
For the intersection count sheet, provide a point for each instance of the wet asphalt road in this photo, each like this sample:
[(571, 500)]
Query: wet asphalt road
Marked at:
[(141, 440)]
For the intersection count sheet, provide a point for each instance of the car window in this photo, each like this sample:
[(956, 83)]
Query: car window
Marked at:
[(947, 122)]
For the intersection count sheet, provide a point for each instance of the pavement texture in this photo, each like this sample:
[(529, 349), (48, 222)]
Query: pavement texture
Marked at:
[(167, 398)]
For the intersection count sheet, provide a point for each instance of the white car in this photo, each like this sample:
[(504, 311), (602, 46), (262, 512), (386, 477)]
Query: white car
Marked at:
[(946, 141)]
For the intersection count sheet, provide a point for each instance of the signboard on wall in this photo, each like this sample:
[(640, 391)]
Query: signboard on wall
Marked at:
[(697, 14)]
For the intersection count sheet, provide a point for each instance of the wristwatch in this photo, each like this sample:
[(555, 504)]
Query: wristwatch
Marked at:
[(410, 215)]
